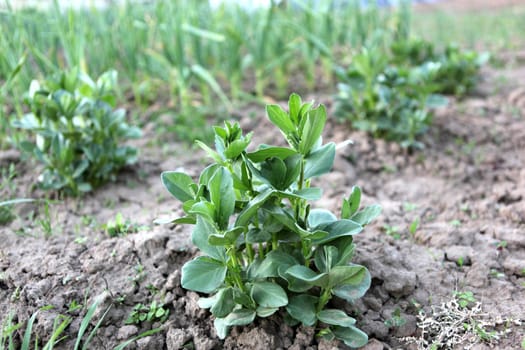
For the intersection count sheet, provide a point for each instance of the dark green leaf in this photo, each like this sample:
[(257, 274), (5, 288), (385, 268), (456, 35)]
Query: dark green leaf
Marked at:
[(307, 275), (338, 229), (355, 288), (257, 235), (326, 257), (271, 263), (203, 274), (335, 317), (268, 294), (303, 308), (228, 238), (251, 208), (202, 230), (224, 303), (320, 161), (349, 274), (351, 336), (269, 152)]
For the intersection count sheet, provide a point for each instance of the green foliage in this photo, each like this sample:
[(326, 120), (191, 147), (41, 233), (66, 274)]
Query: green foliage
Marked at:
[(457, 70), (389, 102), (390, 93), (120, 227), (263, 246), (144, 313), (76, 133), (465, 298)]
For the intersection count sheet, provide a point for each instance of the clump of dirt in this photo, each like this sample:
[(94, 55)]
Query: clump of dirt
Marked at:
[(465, 191)]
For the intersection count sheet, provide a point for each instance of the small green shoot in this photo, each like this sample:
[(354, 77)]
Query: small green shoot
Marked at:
[(465, 298), (144, 313), (413, 226)]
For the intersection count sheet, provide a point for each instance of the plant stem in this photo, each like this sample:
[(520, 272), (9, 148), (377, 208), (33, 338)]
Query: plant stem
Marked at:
[(324, 298), (236, 268), (251, 254)]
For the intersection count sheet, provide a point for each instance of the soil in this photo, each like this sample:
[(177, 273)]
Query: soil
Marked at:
[(467, 188)]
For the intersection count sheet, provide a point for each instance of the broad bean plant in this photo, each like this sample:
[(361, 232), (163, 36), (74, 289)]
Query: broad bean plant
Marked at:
[(264, 247), (75, 132)]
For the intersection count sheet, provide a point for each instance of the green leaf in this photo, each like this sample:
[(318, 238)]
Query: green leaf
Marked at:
[(268, 294), (309, 194), (351, 336), (246, 215), (320, 161), (228, 238), (280, 119), (222, 195), (224, 303), (354, 288), (211, 153), (270, 265), (269, 152), (294, 106), (326, 257), (366, 215), (257, 235), (204, 209), (337, 229), (221, 327), (351, 205), (273, 172), (201, 232), (235, 148), (203, 274), (313, 129), (303, 308), (335, 317), (320, 216), (307, 275), (349, 274), (180, 185), (266, 311), (240, 317)]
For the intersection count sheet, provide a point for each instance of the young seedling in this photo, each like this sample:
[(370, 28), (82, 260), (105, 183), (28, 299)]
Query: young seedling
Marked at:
[(120, 227), (264, 247), (144, 313)]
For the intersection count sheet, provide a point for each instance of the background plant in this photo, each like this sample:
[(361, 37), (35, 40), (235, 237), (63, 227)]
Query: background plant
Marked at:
[(263, 246), (75, 132), (387, 101), (457, 70)]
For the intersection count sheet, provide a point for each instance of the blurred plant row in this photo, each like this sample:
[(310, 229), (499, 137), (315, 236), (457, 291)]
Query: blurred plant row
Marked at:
[(189, 56)]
